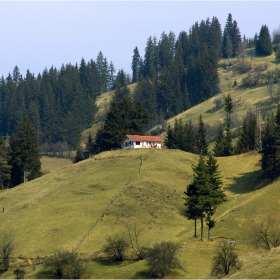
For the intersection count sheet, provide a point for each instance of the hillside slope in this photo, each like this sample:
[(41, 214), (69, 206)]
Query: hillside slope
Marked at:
[(81, 205)]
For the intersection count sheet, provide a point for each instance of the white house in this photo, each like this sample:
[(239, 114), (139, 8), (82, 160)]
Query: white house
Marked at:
[(141, 141)]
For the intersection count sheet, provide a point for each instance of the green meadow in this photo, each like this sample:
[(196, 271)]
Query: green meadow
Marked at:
[(78, 206)]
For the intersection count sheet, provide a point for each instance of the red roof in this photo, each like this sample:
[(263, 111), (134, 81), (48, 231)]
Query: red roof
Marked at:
[(144, 138)]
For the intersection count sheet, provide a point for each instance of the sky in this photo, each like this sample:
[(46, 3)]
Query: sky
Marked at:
[(40, 34)]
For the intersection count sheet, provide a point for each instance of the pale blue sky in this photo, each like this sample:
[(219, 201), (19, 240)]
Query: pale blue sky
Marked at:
[(37, 35)]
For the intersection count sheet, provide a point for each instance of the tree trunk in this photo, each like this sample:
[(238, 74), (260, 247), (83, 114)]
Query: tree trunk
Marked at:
[(201, 229), (195, 234)]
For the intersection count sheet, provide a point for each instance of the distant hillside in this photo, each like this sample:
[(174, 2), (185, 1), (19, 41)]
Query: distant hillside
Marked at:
[(245, 98), (82, 204)]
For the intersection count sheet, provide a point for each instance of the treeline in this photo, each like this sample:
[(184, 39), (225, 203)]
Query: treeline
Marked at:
[(177, 73), (59, 102)]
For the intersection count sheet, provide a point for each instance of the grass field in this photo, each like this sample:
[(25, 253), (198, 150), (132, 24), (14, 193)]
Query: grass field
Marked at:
[(80, 205), (77, 206)]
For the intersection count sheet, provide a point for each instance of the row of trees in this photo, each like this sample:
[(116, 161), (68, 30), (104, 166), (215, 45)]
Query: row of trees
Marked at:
[(60, 103), (20, 156)]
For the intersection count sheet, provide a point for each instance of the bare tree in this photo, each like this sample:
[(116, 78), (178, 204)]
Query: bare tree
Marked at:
[(266, 233), (133, 234), (225, 260), (7, 246)]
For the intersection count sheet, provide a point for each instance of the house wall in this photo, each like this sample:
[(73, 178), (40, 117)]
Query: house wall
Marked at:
[(129, 144)]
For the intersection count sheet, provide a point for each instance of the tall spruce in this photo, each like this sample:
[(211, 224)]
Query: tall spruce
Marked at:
[(270, 152), (204, 193), (219, 148), (135, 66), (25, 154), (202, 146), (124, 117), (264, 44), (228, 148), (5, 168)]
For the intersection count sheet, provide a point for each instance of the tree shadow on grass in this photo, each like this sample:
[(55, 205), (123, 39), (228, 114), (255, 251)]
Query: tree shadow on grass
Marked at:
[(248, 182), (108, 261)]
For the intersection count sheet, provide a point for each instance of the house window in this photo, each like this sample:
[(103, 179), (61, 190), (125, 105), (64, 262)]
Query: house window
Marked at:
[(137, 143), (126, 144)]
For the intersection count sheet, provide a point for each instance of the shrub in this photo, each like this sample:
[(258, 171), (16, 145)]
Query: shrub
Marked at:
[(116, 247), (266, 233), (225, 260), (163, 259), (65, 264), (19, 273)]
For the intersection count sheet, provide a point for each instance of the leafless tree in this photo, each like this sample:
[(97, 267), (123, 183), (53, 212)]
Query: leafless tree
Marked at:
[(133, 234), (7, 246), (225, 259), (266, 233)]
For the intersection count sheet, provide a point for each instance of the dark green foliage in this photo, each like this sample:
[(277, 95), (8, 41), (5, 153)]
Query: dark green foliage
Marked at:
[(19, 273), (205, 192), (7, 246), (277, 53), (225, 260), (163, 259), (135, 66), (264, 44), (80, 155), (25, 154), (5, 168), (185, 137), (65, 265), (228, 148), (219, 148), (89, 148), (270, 160), (231, 38), (59, 102), (202, 147), (124, 117), (246, 139), (116, 247), (180, 72)]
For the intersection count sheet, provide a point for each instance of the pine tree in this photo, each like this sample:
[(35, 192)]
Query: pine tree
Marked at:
[(219, 148), (135, 66), (202, 147), (5, 168), (204, 193), (228, 150), (264, 44), (270, 152), (89, 148), (25, 154), (124, 117)]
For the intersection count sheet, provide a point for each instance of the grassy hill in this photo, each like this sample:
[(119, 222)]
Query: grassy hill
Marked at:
[(244, 98), (80, 205)]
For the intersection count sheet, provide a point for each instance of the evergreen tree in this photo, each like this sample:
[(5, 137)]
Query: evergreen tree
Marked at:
[(219, 148), (5, 168), (231, 38), (135, 66), (89, 148), (228, 148), (202, 147), (25, 154), (79, 155), (205, 192), (264, 44), (270, 152), (124, 117)]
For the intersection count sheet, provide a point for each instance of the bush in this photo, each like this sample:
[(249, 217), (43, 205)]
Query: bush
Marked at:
[(7, 246), (163, 259), (266, 233), (225, 260), (65, 264), (19, 273), (116, 247)]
